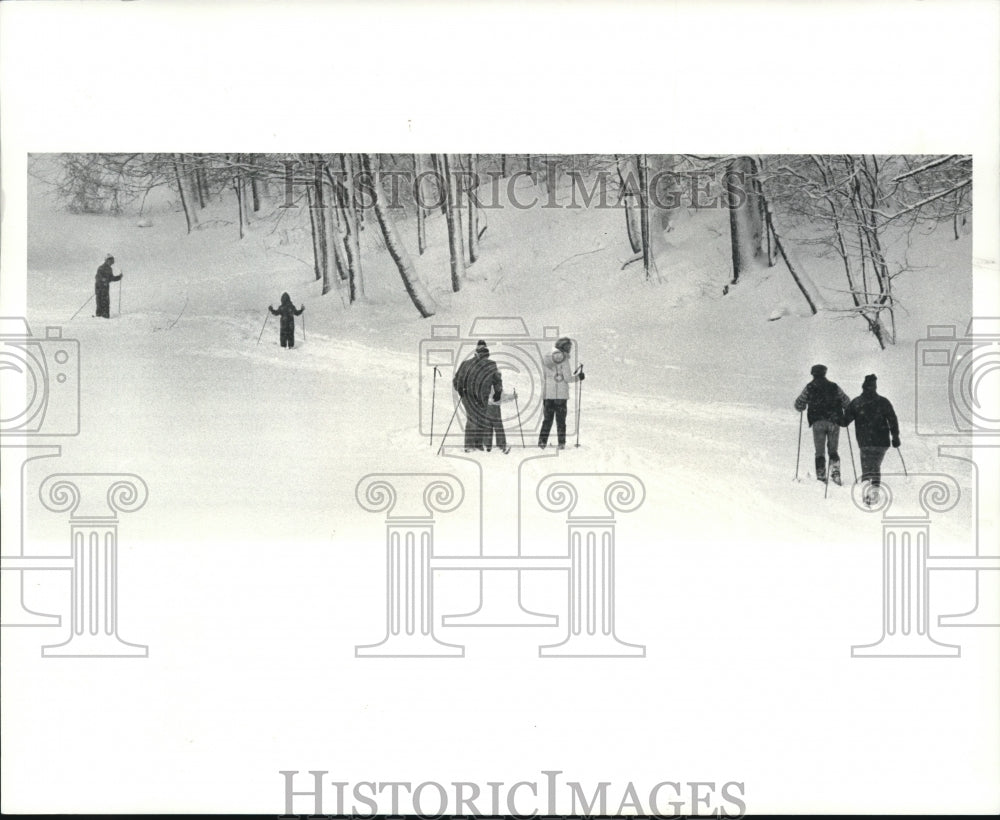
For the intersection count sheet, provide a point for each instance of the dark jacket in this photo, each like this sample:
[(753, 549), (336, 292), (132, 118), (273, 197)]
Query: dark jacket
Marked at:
[(460, 381), (825, 400), (476, 378), (105, 276), (287, 311), (485, 379), (874, 419)]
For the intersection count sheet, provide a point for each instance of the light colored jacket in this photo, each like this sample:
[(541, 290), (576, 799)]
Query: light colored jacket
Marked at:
[(558, 374)]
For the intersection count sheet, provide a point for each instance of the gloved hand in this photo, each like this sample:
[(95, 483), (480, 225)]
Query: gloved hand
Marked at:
[(895, 441), (582, 375)]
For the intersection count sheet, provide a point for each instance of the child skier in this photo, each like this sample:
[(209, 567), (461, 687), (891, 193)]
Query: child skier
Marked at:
[(494, 422), (287, 312)]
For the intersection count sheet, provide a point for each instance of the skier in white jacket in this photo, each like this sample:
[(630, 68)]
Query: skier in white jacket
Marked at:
[(557, 374)]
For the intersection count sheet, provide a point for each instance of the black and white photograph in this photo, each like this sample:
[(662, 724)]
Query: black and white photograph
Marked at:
[(461, 409)]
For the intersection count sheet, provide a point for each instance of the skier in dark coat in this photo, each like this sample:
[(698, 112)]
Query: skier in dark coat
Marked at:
[(825, 403), (475, 380), (102, 286), (287, 312), (875, 427)]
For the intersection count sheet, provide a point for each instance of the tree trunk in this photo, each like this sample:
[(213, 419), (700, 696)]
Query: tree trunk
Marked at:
[(473, 210), (200, 185), (418, 294), (353, 241), (239, 202), (644, 210), (187, 200), (800, 277), (322, 232), (255, 191), (420, 198), (312, 230), (453, 218), (334, 243), (633, 223), (745, 227)]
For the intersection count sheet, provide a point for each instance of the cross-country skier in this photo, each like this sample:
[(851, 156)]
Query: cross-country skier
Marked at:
[(102, 286), (555, 390), (481, 381), (287, 311), (875, 427), (459, 383), (826, 403), (494, 423)]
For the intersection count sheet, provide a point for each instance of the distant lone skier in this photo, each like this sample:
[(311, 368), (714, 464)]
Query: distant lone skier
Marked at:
[(826, 403), (475, 380), (287, 311), (555, 390), (102, 286), (875, 427)]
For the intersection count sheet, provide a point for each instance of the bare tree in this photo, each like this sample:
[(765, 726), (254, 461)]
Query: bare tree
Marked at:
[(418, 294), (473, 220), (186, 195), (453, 216)]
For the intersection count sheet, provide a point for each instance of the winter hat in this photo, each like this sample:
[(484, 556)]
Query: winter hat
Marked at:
[(108, 256), (285, 297), (564, 343), (869, 382), (480, 344), (818, 370)]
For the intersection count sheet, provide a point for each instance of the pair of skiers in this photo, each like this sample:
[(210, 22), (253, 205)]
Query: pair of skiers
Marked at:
[(287, 311), (102, 286), (480, 389), (875, 426)]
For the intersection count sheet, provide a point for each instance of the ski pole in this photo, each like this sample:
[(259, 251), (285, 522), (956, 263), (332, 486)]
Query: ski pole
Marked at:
[(904, 463), (121, 283), (798, 454), (71, 318), (444, 438), (433, 397), (579, 396), (303, 327), (183, 307), (268, 316), (851, 448), (519, 427)]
